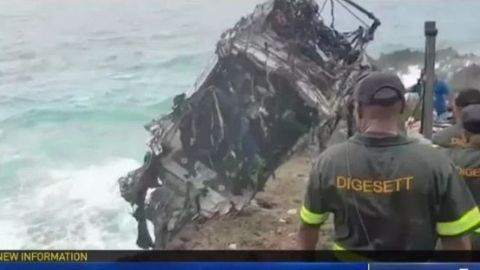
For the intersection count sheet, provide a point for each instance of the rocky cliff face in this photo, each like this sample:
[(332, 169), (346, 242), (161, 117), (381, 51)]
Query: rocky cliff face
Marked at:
[(280, 81)]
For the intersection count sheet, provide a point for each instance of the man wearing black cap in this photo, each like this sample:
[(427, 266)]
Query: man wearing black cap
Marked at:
[(453, 136), (386, 192), (468, 158)]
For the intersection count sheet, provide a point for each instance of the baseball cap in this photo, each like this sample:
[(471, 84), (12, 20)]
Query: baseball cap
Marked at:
[(379, 88), (471, 118), (466, 97)]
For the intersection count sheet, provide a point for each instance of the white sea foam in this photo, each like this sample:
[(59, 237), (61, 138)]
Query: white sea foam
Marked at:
[(76, 208), (410, 77)]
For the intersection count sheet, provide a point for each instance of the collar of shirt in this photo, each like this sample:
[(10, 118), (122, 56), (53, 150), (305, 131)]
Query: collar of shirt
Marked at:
[(392, 140)]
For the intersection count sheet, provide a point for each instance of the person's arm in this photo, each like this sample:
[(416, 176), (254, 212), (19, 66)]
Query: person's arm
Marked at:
[(308, 236), (458, 214), (456, 243), (312, 213)]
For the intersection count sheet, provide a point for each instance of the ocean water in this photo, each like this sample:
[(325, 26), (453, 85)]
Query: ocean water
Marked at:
[(80, 78)]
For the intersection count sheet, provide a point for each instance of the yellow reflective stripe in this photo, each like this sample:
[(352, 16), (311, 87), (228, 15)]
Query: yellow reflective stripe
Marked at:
[(312, 218), (462, 225), (347, 256), (337, 247)]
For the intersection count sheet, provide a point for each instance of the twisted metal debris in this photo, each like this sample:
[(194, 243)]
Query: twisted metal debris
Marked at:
[(279, 81)]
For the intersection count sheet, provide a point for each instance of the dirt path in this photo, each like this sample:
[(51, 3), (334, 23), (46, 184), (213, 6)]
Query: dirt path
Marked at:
[(270, 225)]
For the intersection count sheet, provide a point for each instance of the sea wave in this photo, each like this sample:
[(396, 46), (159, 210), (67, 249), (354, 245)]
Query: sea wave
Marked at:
[(69, 208), (459, 70), (195, 58), (34, 117)]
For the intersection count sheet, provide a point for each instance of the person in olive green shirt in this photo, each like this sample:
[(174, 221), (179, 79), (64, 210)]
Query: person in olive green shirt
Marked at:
[(386, 192), (467, 158), (453, 136)]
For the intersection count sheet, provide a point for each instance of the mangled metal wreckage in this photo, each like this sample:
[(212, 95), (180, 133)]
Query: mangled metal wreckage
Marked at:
[(280, 79)]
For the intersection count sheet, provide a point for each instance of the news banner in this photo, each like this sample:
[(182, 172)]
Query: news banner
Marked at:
[(219, 260)]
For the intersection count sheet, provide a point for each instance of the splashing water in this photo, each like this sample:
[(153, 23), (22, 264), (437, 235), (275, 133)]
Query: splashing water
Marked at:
[(410, 77), (71, 209)]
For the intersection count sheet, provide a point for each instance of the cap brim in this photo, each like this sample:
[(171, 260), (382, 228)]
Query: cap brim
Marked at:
[(386, 94)]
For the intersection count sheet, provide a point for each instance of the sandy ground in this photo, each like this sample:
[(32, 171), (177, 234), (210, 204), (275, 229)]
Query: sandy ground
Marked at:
[(271, 223)]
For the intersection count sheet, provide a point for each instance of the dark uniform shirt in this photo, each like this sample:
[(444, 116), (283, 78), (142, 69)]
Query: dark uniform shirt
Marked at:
[(468, 162), (450, 137), (388, 194)]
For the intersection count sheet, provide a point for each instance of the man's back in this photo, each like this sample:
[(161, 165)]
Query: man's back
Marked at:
[(467, 159), (454, 136), (385, 191), (450, 137), (468, 162), (389, 194)]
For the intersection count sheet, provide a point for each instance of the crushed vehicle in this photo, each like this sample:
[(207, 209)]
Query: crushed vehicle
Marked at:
[(280, 81)]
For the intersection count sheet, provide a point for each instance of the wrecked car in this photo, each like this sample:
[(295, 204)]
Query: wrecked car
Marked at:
[(280, 82)]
